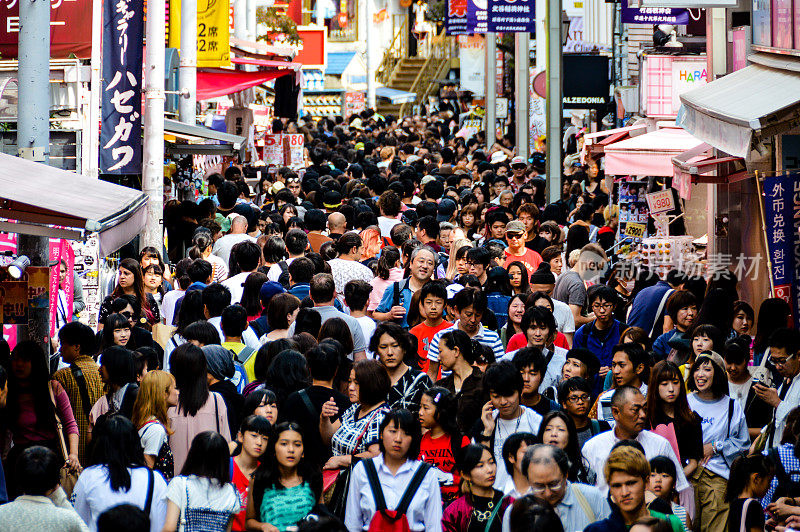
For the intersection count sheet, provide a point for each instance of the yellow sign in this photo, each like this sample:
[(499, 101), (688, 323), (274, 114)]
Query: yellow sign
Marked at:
[(635, 230), (213, 31)]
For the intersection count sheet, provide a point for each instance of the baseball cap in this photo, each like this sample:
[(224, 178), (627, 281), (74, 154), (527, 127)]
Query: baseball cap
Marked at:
[(515, 226), (268, 290), (518, 160), (715, 358), (446, 209)]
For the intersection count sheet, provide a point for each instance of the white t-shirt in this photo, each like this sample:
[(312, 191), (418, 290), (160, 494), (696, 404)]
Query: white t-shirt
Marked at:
[(153, 436), (168, 305), (527, 422), (368, 327), (565, 321), (275, 271), (235, 285), (385, 224), (202, 493)]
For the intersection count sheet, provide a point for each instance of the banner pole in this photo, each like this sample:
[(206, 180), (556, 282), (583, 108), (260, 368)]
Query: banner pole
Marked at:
[(764, 233)]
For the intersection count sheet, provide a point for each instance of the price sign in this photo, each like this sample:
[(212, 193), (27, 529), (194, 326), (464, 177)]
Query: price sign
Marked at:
[(661, 201), (635, 230), (273, 149), (354, 103), (296, 142)]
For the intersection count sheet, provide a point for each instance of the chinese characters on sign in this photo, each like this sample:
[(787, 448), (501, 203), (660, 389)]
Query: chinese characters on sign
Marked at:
[(120, 134), (654, 15), (213, 31), (781, 209), (511, 16)]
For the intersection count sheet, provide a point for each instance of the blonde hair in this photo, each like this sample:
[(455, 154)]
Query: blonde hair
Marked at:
[(151, 400), (626, 459), (455, 246)]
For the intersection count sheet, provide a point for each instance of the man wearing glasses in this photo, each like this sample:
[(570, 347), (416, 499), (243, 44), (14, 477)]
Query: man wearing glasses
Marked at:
[(783, 346), (517, 236), (577, 505), (602, 333)]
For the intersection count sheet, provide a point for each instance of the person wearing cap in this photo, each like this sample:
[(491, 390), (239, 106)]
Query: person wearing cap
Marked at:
[(630, 416), (518, 177), (543, 280), (220, 370), (447, 209), (517, 237), (725, 437)]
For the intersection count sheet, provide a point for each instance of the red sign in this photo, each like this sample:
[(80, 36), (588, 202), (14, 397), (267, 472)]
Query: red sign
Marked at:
[(354, 103), (313, 51), (70, 29)]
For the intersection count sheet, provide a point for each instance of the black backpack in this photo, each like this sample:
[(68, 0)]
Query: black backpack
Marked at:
[(786, 486)]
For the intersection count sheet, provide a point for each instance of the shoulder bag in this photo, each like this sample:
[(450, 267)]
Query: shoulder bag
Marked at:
[(68, 477)]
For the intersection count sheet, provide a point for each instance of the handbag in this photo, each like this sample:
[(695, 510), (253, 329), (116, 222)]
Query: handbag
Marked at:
[(68, 477), (762, 373), (336, 496)]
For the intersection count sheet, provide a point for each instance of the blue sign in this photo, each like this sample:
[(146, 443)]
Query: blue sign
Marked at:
[(512, 16), (121, 104), (465, 17), (782, 215), (654, 15)]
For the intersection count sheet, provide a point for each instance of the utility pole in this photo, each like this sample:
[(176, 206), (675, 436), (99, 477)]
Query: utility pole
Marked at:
[(187, 103), (153, 172), (33, 135), (522, 83), (554, 98), (491, 88), (370, 35)]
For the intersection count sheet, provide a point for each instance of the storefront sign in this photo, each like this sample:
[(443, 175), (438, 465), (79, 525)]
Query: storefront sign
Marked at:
[(273, 150), (120, 134), (473, 62), (70, 29), (295, 142), (665, 78), (213, 32), (62, 252), (586, 82), (661, 201), (511, 16), (654, 15), (686, 75), (465, 17), (781, 210)]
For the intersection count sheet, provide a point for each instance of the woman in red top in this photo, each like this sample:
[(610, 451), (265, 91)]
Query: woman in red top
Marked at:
[(251, 444), (442, 441)]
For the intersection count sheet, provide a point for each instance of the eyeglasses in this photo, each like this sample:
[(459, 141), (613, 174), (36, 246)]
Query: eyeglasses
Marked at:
[(781, 361), (514, 235), (604, 306), (578, 398), (538, 489)]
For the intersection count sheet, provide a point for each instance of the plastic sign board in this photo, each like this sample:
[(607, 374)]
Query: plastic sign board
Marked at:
[(661, 201), (213, 31)]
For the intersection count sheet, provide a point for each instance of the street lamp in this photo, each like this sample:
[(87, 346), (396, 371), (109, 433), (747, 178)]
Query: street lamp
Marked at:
[(18, 266)]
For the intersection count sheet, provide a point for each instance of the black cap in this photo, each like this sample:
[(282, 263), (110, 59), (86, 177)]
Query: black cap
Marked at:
[(543, 275)]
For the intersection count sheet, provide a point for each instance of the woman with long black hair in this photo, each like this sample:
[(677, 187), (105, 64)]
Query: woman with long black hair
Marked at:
[(118, 475), (198, 409), (558, 429), (286, 486), (130, 282)]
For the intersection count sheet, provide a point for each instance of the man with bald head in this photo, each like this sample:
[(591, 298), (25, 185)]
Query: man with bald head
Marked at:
[(222, 247), (577, 505), (630, 416), (337, 225)]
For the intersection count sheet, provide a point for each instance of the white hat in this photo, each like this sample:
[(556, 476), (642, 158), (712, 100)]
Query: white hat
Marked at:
[(498, 157), (453, 289)]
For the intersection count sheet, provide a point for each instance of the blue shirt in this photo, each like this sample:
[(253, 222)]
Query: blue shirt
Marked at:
[(405, 299), (645, 305), (661, 346), (601, 343), (300, 290)]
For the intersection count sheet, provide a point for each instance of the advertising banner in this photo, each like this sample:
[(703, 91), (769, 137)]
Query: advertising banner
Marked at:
[(512, 16), (70, 29), (121, 107), (465, 17), (213, 32)]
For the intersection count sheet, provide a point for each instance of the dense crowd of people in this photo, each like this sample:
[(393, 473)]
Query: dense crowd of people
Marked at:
[(405, 334)]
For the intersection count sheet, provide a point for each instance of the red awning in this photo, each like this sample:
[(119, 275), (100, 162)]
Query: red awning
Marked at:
[(211, 84)]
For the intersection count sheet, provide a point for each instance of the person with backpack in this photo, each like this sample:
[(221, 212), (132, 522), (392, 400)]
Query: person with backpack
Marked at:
[(394, 491), (233, 323), (725, 436), (750, 477), (156, 394), (480, 507), (575, 396), (786, 482), (220, 369)]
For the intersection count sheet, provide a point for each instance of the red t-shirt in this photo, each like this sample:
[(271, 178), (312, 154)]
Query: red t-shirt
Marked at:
[(518, 341), (530, 259), (242, 482), (437, 451), (424, 336)]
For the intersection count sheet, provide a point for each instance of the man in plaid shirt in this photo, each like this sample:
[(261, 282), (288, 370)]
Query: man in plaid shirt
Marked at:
[(77, 345)]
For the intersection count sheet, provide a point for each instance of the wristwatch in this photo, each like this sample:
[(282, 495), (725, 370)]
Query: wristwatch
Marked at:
[(718, 446)]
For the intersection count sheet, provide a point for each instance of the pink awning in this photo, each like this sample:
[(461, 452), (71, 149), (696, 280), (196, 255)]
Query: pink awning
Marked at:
[(650, 154), (211, 84)]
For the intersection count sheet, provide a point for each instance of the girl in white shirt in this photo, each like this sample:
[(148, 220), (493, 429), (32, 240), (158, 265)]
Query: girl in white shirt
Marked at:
[(396, 466), (202, 497), (724, 436)]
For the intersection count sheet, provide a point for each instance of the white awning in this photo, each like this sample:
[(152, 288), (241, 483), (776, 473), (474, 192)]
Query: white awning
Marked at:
[(649, 154), (395, 95), (738, 111), (47, 201)]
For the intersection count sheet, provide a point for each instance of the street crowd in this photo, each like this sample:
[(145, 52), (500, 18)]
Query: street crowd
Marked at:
[(405, 335)]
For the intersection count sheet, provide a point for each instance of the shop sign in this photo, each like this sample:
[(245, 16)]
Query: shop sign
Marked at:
[(465, 17), (661, 201), (586, 82), (295, 142), (273, 150), (635, 230), (70, 29), (511, 16), (654, 15), (354, 103), (782, 212), (473, 62), (686, 75), (213, 32), (63, 251), (121, 107)]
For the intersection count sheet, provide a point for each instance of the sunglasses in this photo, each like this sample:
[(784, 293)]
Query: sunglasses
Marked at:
[(517, 166)]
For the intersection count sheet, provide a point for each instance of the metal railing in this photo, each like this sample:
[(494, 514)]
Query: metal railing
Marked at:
[(397, 50), (433, 68)]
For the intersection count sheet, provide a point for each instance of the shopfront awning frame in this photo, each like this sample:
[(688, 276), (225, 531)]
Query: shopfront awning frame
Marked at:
[(649, 154), (596, 142), (46, 201), (693, 164), (737, 112)]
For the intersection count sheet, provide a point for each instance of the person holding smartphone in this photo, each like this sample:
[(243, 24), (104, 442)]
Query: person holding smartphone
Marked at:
[(783, 346)]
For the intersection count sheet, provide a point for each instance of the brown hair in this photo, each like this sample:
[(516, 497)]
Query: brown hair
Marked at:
[(373, 382), (279, 307)]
